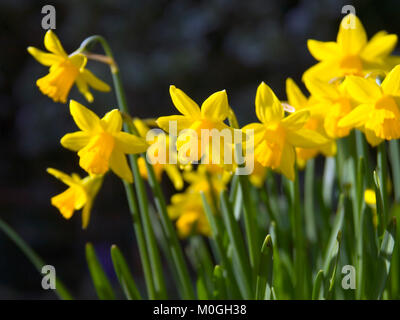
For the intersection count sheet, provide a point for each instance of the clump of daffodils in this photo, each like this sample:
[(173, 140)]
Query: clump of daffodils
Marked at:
[(222, 171)]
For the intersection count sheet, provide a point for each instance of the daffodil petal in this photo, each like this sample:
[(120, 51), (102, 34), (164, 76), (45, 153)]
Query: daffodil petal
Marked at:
[(119, 165), (287, 162), (94, 82), (380, 46), (78, 60), (362, 90), (182, 122), (351, 36), (323, 50), (141, 127), (86, 213), (75, 141), (46, 59), (296, 120), (371, 137), (84, 89), (53, 44), (65, 178), (174, 175), (183, 103), (391, 84), (295, 97), (321, 89), (268, 106), (84, 118), (356, 117), (304, 138), (128, 143), (216, 106), (112, 121)]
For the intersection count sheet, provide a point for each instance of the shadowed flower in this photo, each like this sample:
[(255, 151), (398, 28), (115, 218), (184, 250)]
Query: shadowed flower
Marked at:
[(378, 112), (80, 194), (276, 136), (315, 123), (101, 144), (188, 212), (332, 102), (352, 53), (65, 70), (159, 144)]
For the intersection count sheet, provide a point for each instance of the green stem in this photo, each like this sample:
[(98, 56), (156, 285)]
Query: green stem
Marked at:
[(309, 201), (395, 161), (137, 224), (383, 174), (300, 261), (154, 254), (250, 222), (171, 237)]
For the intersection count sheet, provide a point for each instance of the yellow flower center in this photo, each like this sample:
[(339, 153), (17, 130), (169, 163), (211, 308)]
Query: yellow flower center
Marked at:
[(389, 104), (95, 157), (58, 83), (351, 65), (385, 119), (269, 151)]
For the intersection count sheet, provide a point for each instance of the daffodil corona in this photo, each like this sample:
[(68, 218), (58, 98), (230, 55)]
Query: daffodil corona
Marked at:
[(65, 70), (101, 144), (80, 194)]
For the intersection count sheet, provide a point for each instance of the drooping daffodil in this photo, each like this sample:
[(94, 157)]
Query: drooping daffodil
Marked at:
[(65, 70)]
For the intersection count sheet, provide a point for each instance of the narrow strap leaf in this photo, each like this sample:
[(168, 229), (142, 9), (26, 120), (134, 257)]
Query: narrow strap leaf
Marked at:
[(100, 281), (124, 275)]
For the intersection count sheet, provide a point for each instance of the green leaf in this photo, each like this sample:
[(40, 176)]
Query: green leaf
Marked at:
[(202, 292), (337, 226), (319, 279), (220, 292), (265, 268), (61, 290), (124, 275), (241, 261), (379, 203), (100, 280), (385, 258)]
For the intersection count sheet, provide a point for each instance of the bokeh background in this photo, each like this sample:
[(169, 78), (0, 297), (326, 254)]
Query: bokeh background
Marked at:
[(200, 46)]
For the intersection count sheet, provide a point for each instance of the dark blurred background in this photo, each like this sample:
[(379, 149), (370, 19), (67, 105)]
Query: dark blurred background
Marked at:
[(200, 46)]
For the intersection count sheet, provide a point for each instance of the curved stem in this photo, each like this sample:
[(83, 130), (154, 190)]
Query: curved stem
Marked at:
[(148, 235)]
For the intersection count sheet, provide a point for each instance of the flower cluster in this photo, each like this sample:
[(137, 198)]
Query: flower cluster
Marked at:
[(354, 85)]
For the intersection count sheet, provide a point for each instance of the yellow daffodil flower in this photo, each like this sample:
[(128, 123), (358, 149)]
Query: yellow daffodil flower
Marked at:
[(333, 102), (276, 136), (352, 53), (205, 174), (65, 70), (378, 112), (101, 144), (211, 115), (80, 194), (160, 141), (315, 123), (188, 212)]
